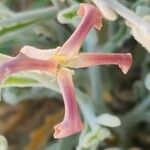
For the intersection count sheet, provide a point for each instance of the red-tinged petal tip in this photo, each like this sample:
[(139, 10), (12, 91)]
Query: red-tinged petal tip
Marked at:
[(67, 128), (28, 62), (93, 59), (126, 63), (72, 122), (91, 9)]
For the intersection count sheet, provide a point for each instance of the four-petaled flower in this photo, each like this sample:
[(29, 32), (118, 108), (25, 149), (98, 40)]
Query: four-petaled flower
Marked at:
[(60, 61)]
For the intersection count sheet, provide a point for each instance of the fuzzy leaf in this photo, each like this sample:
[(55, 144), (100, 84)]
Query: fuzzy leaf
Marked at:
[(25, 19), (3, 143), (96, 135), (68, 15), (108, 120), (14, 95)]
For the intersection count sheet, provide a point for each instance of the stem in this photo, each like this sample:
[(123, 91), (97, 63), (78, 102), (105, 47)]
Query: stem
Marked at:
[(131, 119), (86, 108), (94, 73), (137, 113), (43, 13)]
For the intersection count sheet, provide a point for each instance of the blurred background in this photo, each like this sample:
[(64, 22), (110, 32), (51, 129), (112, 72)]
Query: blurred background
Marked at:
[(28, 114)]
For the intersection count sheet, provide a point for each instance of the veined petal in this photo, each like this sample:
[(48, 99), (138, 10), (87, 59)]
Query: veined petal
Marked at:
[(92, 59), (71, 123), (22, 63), (36, 53), (91, 17)]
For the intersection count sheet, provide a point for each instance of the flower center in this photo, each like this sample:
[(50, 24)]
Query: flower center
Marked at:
[(62, 60), (63, 63)]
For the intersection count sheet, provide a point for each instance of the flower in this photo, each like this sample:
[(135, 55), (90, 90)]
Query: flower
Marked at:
[(59, 62)]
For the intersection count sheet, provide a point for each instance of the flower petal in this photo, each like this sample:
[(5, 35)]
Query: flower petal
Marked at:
[(71, 123), (91, 17), (22, 63), (36, 53), (92, 59)]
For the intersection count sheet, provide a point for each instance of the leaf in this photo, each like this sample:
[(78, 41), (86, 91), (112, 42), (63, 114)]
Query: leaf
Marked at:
[(108, 120), (89, 138), (19, 81), (96, 135), (25, 19), (3, 143), (15, 27), (68, 15), (81, 138), (14, 95)]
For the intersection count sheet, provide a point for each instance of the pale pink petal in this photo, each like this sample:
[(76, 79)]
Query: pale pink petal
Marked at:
[(22, 63), (71, 123), (36, 53), (91, 17), (92, 59)]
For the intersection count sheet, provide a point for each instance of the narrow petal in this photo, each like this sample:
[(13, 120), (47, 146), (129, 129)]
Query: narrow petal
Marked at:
[(22, 63), (71, 123), (36, 53), (92, 59), (91, 17)]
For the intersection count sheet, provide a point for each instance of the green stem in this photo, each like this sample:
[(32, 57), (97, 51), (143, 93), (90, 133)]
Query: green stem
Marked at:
[(94, 73), (136, 114), (86, 108), (40, 14), (132, 118)]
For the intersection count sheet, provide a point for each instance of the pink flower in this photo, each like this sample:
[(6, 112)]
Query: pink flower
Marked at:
[(59, 62)]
